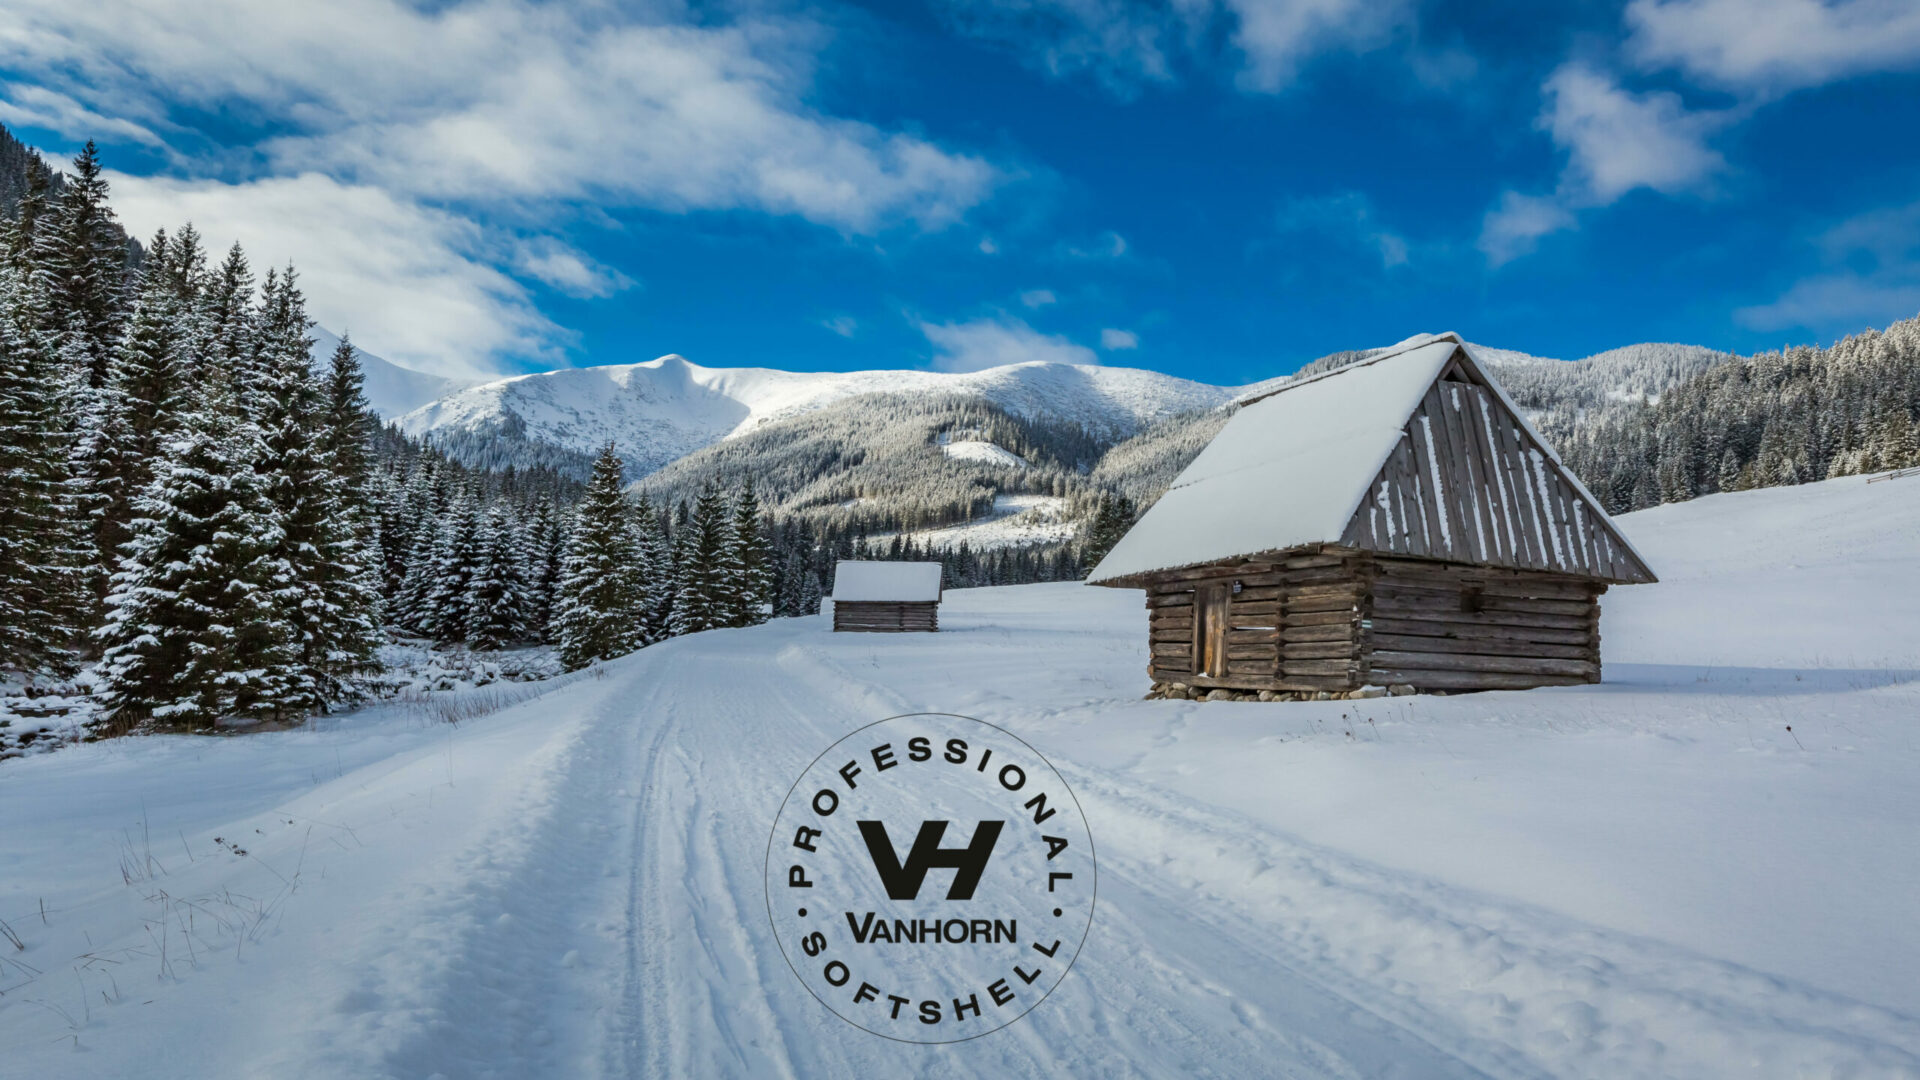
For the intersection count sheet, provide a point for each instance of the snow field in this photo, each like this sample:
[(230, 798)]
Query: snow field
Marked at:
[(1650, 877)]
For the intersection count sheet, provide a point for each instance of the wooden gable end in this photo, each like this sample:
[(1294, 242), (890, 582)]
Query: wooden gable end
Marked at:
[(1467, 483)]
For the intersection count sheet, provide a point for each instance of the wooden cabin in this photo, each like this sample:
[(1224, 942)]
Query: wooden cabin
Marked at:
[(1393, 523), (886, 597)]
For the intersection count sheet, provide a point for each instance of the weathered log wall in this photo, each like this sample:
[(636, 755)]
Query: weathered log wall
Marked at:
[(885, 618), (1440, 626), (1294, 624), (1336, 619)]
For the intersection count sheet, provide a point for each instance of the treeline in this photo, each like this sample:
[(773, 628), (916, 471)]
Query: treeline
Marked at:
[(495, 559), (1777, 418)]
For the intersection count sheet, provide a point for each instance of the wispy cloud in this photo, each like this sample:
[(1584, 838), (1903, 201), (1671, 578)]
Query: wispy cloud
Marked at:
[(1126, 45), (1347, 217), (1872, 277), (559, 266), (1108, 245), (1038, 298), (844, 325), (1774, 46), (992, 342), (1112, 339), (1616, 141), (496, 110), (1517, 222)]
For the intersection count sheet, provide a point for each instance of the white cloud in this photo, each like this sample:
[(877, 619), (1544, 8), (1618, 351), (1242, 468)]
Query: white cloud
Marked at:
[(844, 325), (1125, 45), (1514, 227), (37, 106), (1349, 216), (419, 282), (1873, 279), (1616, 141), (985, 343), (1838, 302), (1112, 339), (498, 110), (567, 270), (988, 247), (1773, 46), (1038, 298), (1278, 36)]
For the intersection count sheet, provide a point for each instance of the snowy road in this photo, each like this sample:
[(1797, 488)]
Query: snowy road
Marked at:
[(1649, 878)]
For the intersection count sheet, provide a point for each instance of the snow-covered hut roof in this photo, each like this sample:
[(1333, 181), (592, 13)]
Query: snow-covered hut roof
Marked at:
[(886, 582), (1292, 466)]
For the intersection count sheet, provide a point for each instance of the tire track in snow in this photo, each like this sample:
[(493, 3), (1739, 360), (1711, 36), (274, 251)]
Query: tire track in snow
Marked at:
[(1517, 990)]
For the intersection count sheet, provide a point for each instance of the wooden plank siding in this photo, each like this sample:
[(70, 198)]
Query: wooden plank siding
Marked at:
[(1337, 619), (891, 617), (1467, 484)]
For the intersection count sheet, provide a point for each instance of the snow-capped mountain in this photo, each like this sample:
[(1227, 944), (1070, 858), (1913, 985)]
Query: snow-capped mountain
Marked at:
[(664, 409), (391, 389)]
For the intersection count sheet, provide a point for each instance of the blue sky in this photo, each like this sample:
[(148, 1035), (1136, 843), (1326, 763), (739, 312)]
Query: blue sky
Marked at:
[(1221, 189)]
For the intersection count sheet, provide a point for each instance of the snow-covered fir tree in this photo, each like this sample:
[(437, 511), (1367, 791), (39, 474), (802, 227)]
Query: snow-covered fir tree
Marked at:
[(195, 630), (42, 550), (346, 569), (544, 552), (602, 597), (748, 562), (656, 562), (703, 595), (139, 402), (1112, 517), (498, 600), (80, 264), (443, 608)]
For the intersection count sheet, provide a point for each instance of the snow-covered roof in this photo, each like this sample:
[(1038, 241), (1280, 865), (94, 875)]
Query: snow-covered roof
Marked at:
[(1291, 467), (887, 582)]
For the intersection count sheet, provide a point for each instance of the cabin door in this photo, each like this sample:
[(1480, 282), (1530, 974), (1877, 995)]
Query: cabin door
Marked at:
[(1210, 630)]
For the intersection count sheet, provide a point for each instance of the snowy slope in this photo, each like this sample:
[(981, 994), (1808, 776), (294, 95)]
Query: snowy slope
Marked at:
[(391, 389), (1649, 877), (664, 409), (1014, 521)]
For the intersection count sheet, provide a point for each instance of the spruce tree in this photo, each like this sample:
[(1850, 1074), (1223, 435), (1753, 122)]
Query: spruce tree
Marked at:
[(195, 630), (601, 602), (703, 594), (443, 612), (42, 549), (498, 598), (544, 553), (139, 403), (346, 569), (749, 562), (80, 265), (657, 560), (1112, 517)]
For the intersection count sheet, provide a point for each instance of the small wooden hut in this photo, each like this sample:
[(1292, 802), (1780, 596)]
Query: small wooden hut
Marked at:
[(1392, 523), (886, 597)]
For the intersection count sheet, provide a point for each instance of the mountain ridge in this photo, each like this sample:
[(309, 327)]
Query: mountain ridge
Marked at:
[(659, 411)]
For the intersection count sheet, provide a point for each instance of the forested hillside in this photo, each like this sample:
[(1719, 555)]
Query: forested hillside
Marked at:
[(883, 462)]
